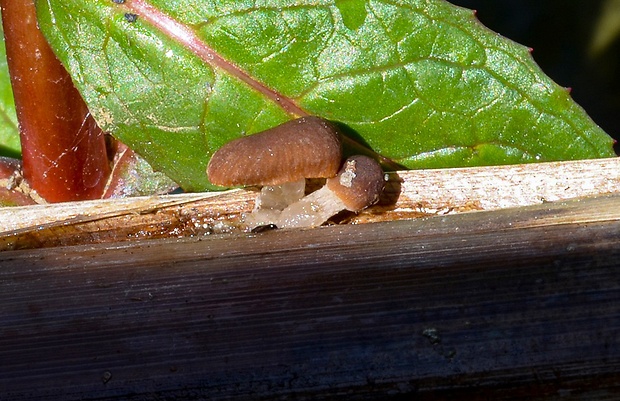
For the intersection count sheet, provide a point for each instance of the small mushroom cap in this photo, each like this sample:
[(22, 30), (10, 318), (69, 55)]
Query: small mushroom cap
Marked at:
[(308, 147), (359, 182)]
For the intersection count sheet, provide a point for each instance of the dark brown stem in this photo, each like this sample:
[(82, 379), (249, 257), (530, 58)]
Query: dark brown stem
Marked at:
[(63, 149)]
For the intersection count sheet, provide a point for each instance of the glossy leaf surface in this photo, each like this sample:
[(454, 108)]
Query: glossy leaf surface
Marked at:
[(420, 82)]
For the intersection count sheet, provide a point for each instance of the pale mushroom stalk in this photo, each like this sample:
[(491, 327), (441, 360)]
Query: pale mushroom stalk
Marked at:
[(278, 197), (312, 210), (358, 185), (272, 200)]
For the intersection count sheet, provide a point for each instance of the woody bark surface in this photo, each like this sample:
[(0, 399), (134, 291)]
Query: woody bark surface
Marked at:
[(63, 149), (517, 304)]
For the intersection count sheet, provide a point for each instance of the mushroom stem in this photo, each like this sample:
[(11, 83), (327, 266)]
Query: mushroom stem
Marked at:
[(280, 196), (359, 184), (311, 211), (272, 200)]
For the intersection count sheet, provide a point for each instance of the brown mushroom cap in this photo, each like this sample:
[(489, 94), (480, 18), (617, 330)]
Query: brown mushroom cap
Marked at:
[(359, 182), (308, 147)]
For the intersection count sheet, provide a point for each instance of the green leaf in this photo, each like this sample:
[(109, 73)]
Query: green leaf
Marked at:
[(420, 82), (9, 133)]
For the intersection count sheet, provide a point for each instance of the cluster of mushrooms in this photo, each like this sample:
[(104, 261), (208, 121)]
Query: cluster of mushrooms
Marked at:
[(280, 160)]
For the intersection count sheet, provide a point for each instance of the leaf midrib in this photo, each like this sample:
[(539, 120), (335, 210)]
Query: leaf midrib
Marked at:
[(188, 38)]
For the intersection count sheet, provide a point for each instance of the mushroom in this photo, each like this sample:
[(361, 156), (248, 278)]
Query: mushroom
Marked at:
[(358, 185), (279, 159)]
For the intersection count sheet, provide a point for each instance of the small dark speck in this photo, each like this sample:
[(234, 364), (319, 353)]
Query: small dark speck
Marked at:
[(107, 375), (451, 353), (262, 229), (433, 335), (119, 1), (129, 17)]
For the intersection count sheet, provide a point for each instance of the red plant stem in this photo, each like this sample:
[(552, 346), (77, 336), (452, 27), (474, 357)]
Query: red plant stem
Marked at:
[(63, 149)]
